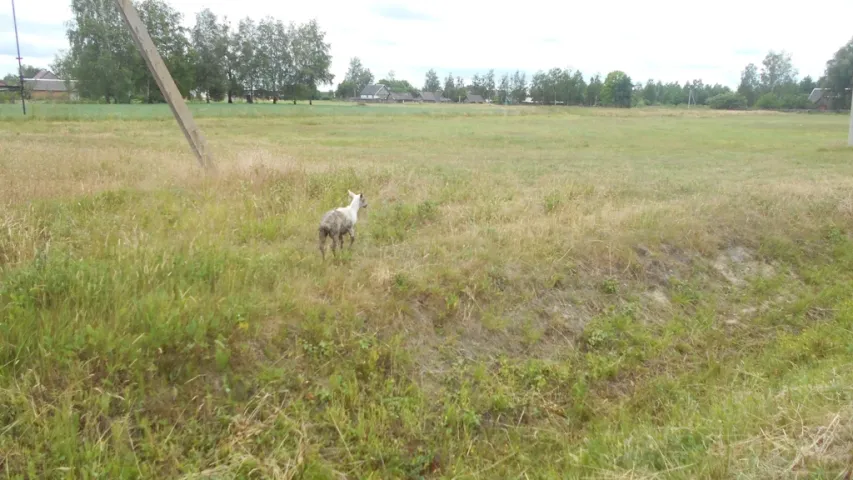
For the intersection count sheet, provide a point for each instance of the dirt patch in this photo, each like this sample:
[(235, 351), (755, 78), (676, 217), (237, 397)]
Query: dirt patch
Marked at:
[(659, 269), (737, 265), (658, 297)]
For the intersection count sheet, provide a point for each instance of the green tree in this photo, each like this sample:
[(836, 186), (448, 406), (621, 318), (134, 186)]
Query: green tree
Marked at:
[(715, 90), (749, 84), (398, 86), (477, 85), (489, 85), (539, 84), (650, 93), (577, 89), (461, 89), (807, 84), (101, 56), (356, 78), (211, 48), (769, 101), (617, 89), (232, 62), (14, 77), (311, 58), (593, 90), (274, 57), (249, 61), (164, 26), (431, 81), (449, 90), (673, 94), (558, 83), (839, 75), (727, 101), (519, 87), (504, 89), (777, 72)]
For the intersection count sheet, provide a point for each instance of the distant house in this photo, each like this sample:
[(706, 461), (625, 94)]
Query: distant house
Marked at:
[(5, 87), (823, 98), (375, 92), (401, 97), (46, 85), (430, 97), (434, 97), (473, 98)]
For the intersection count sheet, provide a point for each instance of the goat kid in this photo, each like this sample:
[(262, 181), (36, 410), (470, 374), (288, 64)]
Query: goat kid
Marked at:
[(339, 222)]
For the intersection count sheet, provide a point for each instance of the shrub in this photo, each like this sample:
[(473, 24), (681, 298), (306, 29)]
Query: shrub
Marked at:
[(796, 100), (727, 101), (769, 101), (9, 97)]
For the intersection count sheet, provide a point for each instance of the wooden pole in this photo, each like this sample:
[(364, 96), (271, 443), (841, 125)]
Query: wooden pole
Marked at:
[(850, 133), (20, 68), (166, 83)]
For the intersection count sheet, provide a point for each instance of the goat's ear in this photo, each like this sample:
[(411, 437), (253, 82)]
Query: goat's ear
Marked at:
[(351, 195)]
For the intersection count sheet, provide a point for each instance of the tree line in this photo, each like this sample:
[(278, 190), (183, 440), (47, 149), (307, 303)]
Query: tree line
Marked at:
[(772, 86), (213, 60), (775, 85), (561, 86), (555, 86), (216, 60)]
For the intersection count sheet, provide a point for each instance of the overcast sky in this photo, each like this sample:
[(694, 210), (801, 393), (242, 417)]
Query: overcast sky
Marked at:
[(662, 39)]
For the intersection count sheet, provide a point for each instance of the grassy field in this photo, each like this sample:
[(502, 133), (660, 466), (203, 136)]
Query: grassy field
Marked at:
[(533, 293)]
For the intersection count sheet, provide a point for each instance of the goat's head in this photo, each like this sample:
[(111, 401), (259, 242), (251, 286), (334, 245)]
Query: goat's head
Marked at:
[(362, 202)]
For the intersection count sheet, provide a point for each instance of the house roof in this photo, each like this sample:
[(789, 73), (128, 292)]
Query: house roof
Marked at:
[(429, 96), (46, 85), (474, 98), (402, 96), (821, 93), (45, 75), (46, 81), (817, 94), (372, 89)]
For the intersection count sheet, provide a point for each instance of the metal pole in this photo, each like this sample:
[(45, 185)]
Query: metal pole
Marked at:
[(20, 68)]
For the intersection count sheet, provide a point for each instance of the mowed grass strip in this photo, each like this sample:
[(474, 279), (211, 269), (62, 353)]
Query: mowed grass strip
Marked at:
[(533, 291)]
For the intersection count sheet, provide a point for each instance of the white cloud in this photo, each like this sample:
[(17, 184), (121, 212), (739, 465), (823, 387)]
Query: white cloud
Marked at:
[(660, 39)]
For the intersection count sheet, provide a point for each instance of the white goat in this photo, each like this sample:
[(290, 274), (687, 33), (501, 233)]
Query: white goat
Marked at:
[(339, 222)]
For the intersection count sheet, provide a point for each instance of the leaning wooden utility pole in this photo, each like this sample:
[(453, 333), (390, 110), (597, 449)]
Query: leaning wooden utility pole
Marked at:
[(167, 85)]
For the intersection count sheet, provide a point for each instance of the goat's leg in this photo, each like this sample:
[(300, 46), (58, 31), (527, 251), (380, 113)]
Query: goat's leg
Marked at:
[(351, 237), (341, 240), (334, 246), (322, 244)]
